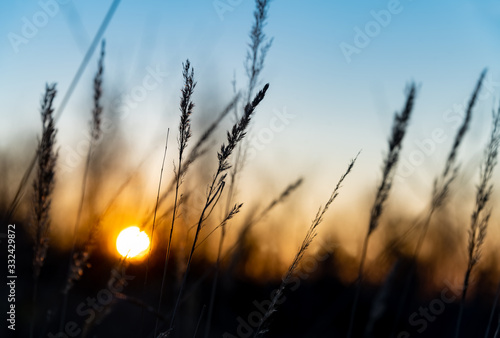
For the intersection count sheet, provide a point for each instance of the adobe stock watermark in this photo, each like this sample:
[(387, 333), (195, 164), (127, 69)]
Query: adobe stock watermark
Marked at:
[(453, 116), (94, 305), (223, 6), (264, 136), (425, 315), (31, 25), (365, 34), (71, 157), (308, 266)]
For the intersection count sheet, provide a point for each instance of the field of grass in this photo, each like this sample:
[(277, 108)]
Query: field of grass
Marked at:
[(199, 264)]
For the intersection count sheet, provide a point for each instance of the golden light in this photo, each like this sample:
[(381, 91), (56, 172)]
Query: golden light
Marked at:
[(132, 242)]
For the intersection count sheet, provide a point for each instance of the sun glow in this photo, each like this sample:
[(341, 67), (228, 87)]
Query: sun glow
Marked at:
[(132, 242)]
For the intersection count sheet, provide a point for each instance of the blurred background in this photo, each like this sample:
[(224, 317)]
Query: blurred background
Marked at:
[(337, 72)]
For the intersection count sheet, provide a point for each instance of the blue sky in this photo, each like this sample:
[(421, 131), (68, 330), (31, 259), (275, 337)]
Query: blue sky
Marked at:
[(338, 107)]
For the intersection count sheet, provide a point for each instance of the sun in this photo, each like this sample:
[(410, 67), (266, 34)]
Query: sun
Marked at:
[(132, 242)]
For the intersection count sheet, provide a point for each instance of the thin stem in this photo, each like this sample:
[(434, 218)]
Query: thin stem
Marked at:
[(214, 284), (199, 320), (462, 301), (186, 107), (154, 222), (358, 284), (497, 331), (492, 314), (213, 192)]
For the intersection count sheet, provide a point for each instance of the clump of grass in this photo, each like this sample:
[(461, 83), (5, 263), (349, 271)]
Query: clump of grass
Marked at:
[(186, 107), (43, 188), (399, 127), (310, 235), (216, 187), (480, 215), (440, 191)]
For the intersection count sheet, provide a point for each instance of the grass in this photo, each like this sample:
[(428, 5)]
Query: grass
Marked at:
[(184, 293), (309, 237), (216, 188), (398, 132), (480, 215), (186, 108), (43, 188), (76, 261), (441, 190)]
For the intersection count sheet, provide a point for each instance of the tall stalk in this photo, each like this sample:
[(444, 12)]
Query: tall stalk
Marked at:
[(186, 107), (399, 127)]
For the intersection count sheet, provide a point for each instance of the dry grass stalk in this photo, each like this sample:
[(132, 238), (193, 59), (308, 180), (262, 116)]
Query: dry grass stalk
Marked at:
[(42, 189), (44, 181), (480, 215), (254, 64), (154, 220), (216, 187), (95, 130), (75, 263), (186, 107), (310, 235), (399, 127), (80, 258), (258, 47)]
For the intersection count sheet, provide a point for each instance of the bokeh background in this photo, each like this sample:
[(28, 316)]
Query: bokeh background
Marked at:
[(332, 103)]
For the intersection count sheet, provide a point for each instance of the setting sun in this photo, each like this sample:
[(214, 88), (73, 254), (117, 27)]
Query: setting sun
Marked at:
[(132, 242)]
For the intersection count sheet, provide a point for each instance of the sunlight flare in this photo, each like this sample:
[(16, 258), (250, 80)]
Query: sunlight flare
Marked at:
[(132, 242)]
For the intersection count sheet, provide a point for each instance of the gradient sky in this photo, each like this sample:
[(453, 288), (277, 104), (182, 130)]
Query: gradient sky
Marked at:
[(339, 107)]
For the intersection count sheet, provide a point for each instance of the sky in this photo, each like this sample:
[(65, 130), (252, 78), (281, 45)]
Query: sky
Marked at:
[(337, 72)]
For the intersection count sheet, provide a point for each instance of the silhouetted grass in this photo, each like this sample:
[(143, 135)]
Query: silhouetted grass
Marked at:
[(42, 190), (480, 215), (399, 126)]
